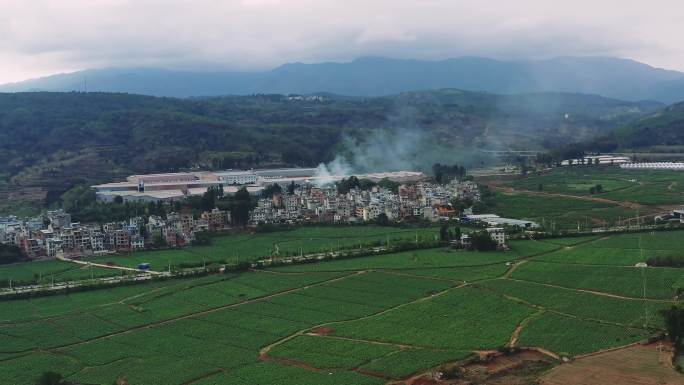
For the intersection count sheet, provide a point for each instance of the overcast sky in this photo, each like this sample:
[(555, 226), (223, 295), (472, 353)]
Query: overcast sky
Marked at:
[(41, 37)]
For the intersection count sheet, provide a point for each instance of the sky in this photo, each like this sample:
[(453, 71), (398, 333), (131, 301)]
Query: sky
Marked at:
[(43, 37)]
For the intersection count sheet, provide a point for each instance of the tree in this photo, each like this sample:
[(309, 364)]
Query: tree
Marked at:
[(382, 220), (291, 188), (10, 254), (540, 187), (52, 378), (674, 323), (444, 173), (456, 234), (158, 241), (242, 203), (208, 200), (118, 199), (202, 238), (444, 235), (389, 184), (271, 190), (347, 184), (482, 241)]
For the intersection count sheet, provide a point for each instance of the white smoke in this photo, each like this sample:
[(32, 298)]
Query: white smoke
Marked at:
[(396, 150)]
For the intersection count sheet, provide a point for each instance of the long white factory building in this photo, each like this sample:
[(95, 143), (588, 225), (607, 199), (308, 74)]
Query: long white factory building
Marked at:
[(654, 166), (176, 186)]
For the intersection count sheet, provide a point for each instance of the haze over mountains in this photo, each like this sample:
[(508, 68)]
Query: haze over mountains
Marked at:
[(376, 76)]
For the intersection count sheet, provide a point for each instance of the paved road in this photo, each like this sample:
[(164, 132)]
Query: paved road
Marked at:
[(317, 256), (115, 267), (72, 284)]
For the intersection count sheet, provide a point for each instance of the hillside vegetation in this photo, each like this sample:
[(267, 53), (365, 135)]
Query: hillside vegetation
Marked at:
[(665, 128), (50, 142)]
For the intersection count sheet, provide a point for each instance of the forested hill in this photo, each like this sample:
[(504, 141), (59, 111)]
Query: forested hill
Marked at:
[(52, 141), (664, 128)]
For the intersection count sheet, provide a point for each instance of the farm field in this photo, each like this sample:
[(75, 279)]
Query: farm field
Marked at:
[(654, 282), (569, 336), (366, 320), (44, 272), (648, 187), (224, 249), (627, 312), (429, 259), (249, 247), (620, 250), (558, 212), (636, 365)]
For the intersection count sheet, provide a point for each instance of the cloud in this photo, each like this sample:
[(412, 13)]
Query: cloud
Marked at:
[(44, 36), (385, 31)]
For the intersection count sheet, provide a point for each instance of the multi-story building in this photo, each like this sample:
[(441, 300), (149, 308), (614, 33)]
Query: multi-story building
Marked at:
[(216, 219)]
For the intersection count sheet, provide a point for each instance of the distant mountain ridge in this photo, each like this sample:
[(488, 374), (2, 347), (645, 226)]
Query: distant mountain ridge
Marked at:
[(377, 76)]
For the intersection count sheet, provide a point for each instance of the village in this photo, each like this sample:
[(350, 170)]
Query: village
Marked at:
[(281, 202)]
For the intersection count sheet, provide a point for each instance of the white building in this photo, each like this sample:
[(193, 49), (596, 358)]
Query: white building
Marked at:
[(597, 160), (498, 235), (237, 177)]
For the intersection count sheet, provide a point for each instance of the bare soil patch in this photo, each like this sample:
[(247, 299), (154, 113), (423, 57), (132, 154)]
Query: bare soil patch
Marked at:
[(521, 368), (635, 365), (321, 331)]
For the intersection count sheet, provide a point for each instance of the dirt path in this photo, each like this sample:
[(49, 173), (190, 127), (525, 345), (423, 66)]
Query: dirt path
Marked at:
[(374, 342), (266, 349), (105, 266), (290, 362), (550, 310), (626, 204), (601, 293), (513, 267), (516, 333)]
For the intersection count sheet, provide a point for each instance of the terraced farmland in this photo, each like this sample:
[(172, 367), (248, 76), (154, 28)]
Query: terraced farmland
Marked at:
[(367, 320)]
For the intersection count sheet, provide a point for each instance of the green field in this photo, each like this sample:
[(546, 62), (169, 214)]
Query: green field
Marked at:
[(648, 187), (626, 312), (249, 247), (559, 213), (619, 250), (223, 249), (45, 272), (429, 259), (626, 281), (569, 336), (366, 320)]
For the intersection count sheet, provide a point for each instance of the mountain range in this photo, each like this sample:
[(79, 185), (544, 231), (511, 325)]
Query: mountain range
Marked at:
[(377, 76)]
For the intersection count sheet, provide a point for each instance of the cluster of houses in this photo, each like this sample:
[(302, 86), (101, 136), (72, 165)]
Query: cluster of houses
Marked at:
[(324, 204), (54, 234)]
